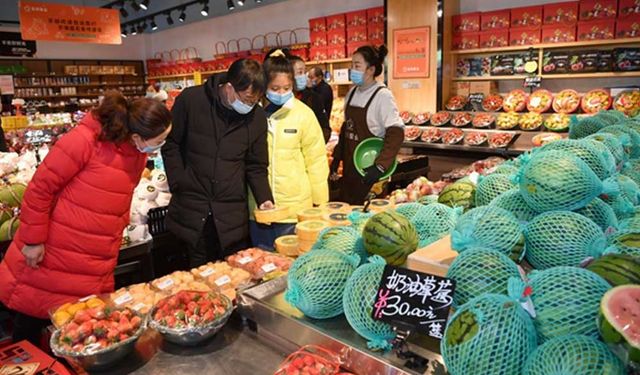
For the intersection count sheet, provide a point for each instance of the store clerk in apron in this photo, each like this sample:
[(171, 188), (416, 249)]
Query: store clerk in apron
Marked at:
[(370, 111)]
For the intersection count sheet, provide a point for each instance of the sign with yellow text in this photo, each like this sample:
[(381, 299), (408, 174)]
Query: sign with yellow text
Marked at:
[(69, 23), (411, 52)]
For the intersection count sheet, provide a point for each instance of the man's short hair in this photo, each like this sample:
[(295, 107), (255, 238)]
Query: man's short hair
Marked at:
[(245, 73), (317, 72)]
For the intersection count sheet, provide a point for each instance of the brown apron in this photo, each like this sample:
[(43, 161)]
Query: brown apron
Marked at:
[(354, 130)]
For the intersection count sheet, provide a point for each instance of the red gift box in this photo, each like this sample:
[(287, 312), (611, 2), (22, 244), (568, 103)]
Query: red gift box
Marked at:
[(318, 39), (524, 36), (466, 41), (558, 33), (357, 18), (629, 9), (526, 16), (317, 25), (357, 34), (596, 30), (318, 54), (598, 9), (375, 16), (24, 353), (352, 47), (337, 21), (492, 39), (464, 23), (628, 28), (337, 37), (336, 52), (495, 20), (564, 13), (375, 32)]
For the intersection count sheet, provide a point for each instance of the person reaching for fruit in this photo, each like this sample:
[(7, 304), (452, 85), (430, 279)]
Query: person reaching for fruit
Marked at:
[(75, 209)]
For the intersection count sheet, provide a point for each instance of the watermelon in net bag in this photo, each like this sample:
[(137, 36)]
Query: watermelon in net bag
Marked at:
[(491, 186), (600, 161), (566, 300), (343, 239), (618, 323), (557, 180), (490, 227), (573, 355), (490, 334), (621, 206), (585, 127), (359, 219), (316, 282), (432, 221), (562, 238), (513, 202), (612, 143), (611, 116), (600, 213), (631, 169), (629, 138), (626, 241), (390, 235), (479, 271), (506, 168), (359, 296), (629, 189)]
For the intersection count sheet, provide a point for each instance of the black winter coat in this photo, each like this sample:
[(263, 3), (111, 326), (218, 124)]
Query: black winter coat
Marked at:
[(314, 101), (210, 156)]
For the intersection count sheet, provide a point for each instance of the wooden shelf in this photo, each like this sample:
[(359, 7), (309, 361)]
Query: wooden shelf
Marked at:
[(27, 75), (490, 78), (340, 83), (591, 43), (336, 61), (82, 85), (553, 76)]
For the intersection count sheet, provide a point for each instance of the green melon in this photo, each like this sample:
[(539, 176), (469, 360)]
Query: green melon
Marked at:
[(462, 328), (390, 235), (617, 322), (11, 195), (458, 194), (5, 214), (8, 229), (617, 269)]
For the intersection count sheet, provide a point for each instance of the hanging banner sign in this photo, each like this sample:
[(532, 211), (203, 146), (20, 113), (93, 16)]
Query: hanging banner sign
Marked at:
[(12, 44), (411, 52), (69, 23)]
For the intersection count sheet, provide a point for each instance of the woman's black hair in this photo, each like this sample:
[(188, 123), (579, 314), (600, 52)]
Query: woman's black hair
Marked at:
[(373, 56), (276, 62), (245, 73)]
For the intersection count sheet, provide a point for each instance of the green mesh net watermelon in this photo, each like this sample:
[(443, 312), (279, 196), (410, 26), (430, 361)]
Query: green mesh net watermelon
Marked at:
[(491, 186), (316, 282), (458, 194), (562, 238), (513, 202), (631, 169), (585, 127), (621, 206), (489, 227), (629, 138), (390, 235), (566, 301), (612, 143), (506, 168), (490, 334), (617, 269), (618, 322), (428, 199), (573, 355), (358, 300), (626, 241), (343, 239), (359, 219), (631, 223), (432, 221), (600, 161), (610, 117), (600, 213), (480, 271)]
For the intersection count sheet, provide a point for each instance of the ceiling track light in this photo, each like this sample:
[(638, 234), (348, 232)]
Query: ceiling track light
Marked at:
[(134, 31), (144, 4), (169, 19), (123, 32), (182, 15), (230, 5), (123, 11), (205, 9), (240, 2), (258, 1), (154, 26)]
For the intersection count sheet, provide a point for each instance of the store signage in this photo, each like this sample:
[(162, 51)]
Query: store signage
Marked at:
[(476, 101), (12, 44), (415, 299), (411, 52), (38, 136), (532, 82), (6, 85), (69, 23)]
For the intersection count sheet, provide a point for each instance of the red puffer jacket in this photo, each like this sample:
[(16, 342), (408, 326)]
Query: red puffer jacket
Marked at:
[(77, 205)]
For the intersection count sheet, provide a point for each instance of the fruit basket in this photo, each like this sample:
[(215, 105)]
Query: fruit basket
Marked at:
[(557, 122), (190, 317), (628, 102), (440, 118), (506, 121), (540, 101), (566, 101), (595, 101), (462, 119), (406, 117), (453, 136), (530, 121), (492, 103), (500, 140), (456, 103), (421, 118), (475, 138), (515, 101), (411, 133), (483, 120), (544, 138), (431, 135)]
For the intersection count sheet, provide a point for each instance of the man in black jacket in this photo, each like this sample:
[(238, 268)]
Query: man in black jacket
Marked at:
[(309, 97), (218, 146), (324, 90)]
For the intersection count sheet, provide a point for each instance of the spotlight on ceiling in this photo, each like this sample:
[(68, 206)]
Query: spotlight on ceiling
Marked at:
[(205, 10), (240, 2), (134, 31), (182, 16), (154, 26), (258, 1), (230, 5), (123, 32), (144, 4)]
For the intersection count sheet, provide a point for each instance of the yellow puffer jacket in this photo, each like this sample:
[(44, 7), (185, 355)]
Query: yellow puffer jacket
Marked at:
[(298, 165)]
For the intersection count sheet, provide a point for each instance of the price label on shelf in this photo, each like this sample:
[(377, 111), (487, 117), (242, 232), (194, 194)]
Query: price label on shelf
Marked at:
[(122, 299), (85, 299), (476, 101), (139, 306), (269, 267), (223, 280), (164, 284), (245, 260), (207, 272), (532, 82)]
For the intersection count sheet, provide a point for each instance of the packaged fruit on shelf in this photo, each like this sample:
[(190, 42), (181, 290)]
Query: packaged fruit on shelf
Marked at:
[(584, 62), (500, 140), (475, 138), (431, 135), (461, 119), (515, 101), (483, 120), (421, 118), (260, 263), (456, 103), (566, 101), (506, 121), (557, 122), (440, 118), (411, 133), (222, 277), (556, 63), (627, 59), (530, 121), (492, 103), (177, 281), (595, 101), (406, 117), (310, 359), (540, 101), (453, 136), (66, 312), (628, 102), (544, 138), (138, 297)]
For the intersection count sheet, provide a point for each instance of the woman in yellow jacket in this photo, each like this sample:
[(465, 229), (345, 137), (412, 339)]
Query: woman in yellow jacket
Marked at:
[(298, 165)]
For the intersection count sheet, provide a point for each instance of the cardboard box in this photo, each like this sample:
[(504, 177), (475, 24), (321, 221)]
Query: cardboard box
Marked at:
[(352, 47), (560, 13), (596, 30), (524, 36), (337, 21), (598, 9), (336, 37), (317, 25), (336, 52), (71, 69), (465, 41), (357, 34), (318, 54), (496, 20), (375, 16), (434, 259), (492, 39), (460, 88), (357, 18), (24, 353), (558, 33), (628, 28), (483, 87), (464, 23), (629, 9), (318, 39), (375, 32), (526, 16)]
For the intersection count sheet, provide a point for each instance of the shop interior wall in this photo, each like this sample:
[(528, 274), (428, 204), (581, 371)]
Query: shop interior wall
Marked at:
[(467, 6)]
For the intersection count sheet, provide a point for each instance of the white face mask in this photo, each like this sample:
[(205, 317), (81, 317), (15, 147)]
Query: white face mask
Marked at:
[(150, 95)]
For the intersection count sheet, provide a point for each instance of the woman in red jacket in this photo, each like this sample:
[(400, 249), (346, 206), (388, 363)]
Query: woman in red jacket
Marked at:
[(75, 209)]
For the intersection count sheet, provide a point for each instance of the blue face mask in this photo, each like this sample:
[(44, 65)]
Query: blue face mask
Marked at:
[(356, 76), (279, 99), (241, 107), (150, 149), (301, 82)]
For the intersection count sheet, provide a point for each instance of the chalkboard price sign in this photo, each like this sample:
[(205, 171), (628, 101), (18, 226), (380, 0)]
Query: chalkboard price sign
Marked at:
[(532, 82), (476, 101), (38, 136), (416, 299)]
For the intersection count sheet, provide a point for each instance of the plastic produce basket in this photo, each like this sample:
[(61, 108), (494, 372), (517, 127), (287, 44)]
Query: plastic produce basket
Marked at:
[(155, 220)]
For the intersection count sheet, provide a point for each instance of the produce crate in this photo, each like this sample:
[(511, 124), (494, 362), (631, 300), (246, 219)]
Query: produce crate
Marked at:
[(434, 259), (14, 122), (155, 220)]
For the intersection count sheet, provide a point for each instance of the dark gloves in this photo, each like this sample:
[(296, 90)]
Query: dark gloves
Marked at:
[(371, 175)]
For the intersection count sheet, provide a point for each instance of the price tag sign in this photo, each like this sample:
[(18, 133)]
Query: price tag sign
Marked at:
[(207, 272), (416, 299), (476, 101), (38, 136), (164, 284), (223, 280), (121, 300), (269, 267), (139, 306), (245, 260), (532, 82)]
